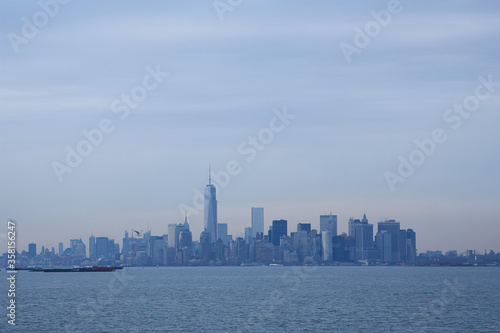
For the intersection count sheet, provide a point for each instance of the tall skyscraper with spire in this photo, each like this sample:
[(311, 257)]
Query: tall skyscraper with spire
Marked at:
[(211, 208)]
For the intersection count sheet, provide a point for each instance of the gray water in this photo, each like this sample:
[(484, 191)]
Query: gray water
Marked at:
[(258, 299)]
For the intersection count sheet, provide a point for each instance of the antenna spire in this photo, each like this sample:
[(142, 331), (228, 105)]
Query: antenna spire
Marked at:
[(209, 174)]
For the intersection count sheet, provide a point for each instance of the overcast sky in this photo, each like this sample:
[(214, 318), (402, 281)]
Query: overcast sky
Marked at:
[(355, 114)]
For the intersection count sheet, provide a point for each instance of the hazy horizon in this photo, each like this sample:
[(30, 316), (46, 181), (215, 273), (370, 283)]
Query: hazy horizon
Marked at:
[(351, 117)]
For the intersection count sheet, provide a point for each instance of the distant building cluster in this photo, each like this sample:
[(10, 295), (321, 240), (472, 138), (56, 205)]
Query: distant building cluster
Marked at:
[(304, 246)]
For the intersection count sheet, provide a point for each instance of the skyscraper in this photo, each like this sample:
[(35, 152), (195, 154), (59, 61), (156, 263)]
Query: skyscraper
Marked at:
[(257, 220), (411, 245), (111, 247), (205, 246), (383, 240), (72, 244), (156, 245), (328, 223), (211, 209), (92, 252), (125, 243), (353, 223), (171, 235), (241, 249), (326, 240), (338, 249), (222, 233), (185, 239), (279, 229), (248, 235), (304, 227), (101, 247), (145, 237), (32, 250), (364, 241), (77, 247), (61, 248), (178, 230), (402, 245), (392, 227)]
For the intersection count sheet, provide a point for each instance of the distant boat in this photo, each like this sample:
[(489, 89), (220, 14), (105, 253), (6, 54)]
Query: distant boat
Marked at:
[(275, 265), (249, 264), (95, 269), (76, 269), (53, 270)]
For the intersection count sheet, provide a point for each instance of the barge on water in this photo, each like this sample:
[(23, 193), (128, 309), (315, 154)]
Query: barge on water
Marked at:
[(76, 269)]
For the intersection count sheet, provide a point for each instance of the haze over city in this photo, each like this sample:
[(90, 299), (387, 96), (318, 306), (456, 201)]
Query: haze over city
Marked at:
[(351, 117)]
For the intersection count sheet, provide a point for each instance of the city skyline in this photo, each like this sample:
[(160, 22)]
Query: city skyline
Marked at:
[(173, 229), (326, 222), (351, 150), (303, 109), (391, 245), (281, 245)]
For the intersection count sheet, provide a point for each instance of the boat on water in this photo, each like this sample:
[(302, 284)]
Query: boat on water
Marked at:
[(96, 269), (52, 270), (249, 264), (363, 262), (275, 265), (77, 269)]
